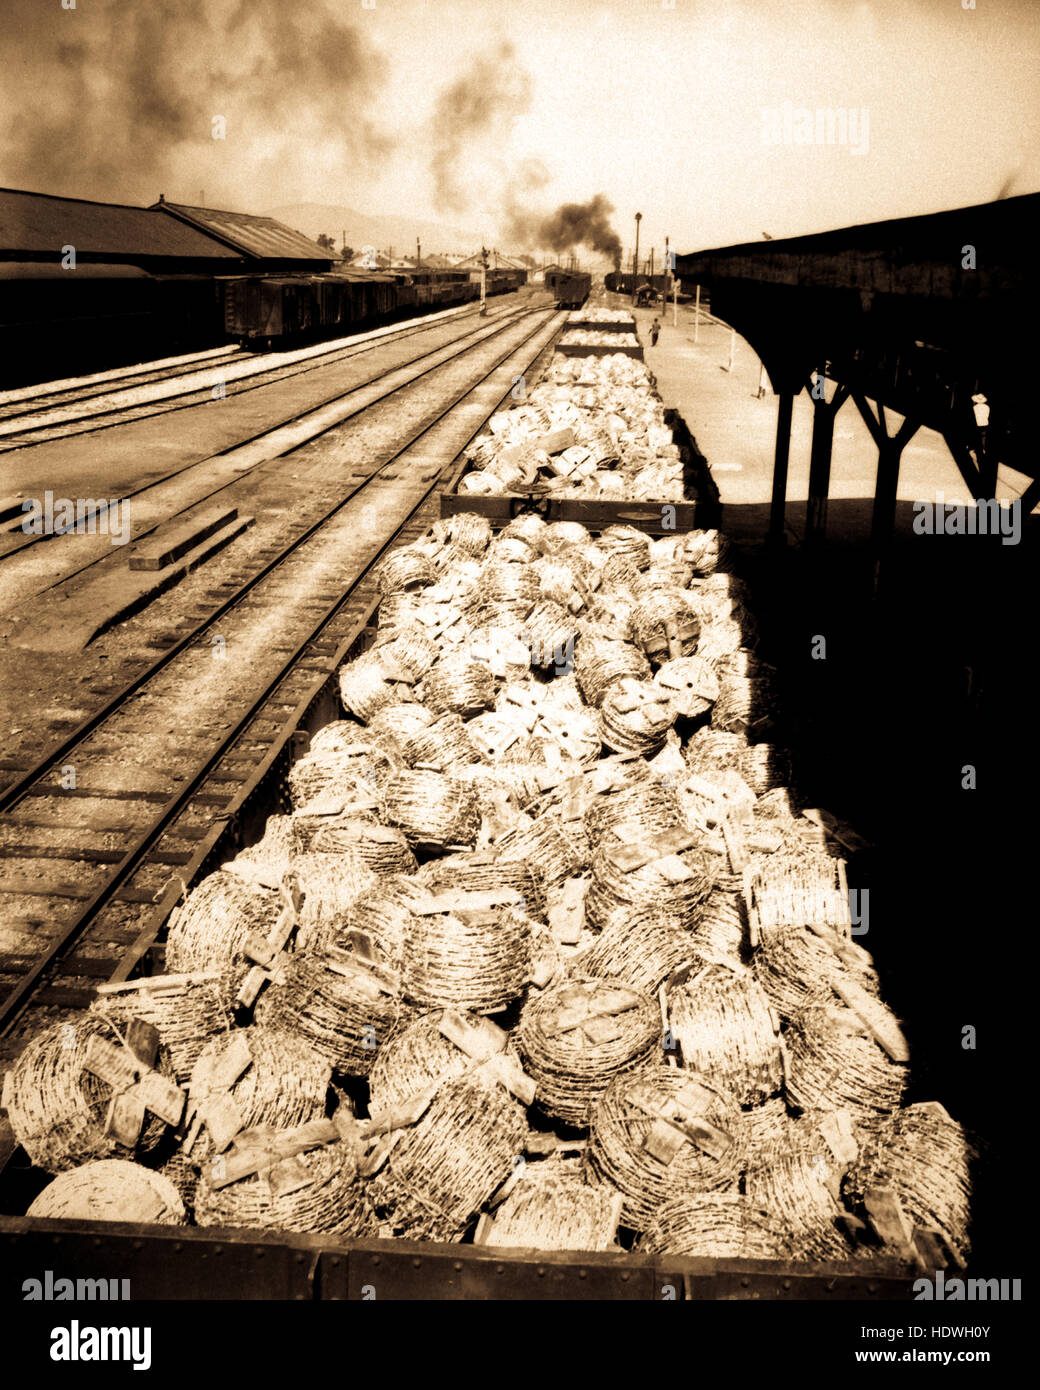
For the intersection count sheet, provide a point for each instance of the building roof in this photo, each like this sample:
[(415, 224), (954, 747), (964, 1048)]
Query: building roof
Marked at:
[(261, 237), (34, 225)]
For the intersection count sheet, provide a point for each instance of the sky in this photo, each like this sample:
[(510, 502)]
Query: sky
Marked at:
[(477, 111)]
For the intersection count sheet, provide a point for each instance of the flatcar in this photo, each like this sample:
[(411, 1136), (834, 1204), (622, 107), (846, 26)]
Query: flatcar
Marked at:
[(570, 288)]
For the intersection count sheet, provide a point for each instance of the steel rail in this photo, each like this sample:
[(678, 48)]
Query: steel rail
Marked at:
[(18, 998), (509, 315)]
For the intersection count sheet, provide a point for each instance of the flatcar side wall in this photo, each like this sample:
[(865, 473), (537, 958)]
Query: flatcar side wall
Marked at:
[(189, 1263)]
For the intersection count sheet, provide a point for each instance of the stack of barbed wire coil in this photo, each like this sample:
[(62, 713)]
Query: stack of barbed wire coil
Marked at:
[(433, 810), (832, 1062), (343, 1017), (380, 848), (459, 685), (797, 969), (600, 662), (186, 1010), (403, 569), (211, 928), (611, 887), (716, 1225), (549, 848), (285, 1082), (332, 1200), (457, 961), (446, 1165), (553, 1208), (689, 684), (635, 716), (570, 1069), (58, 1109), (443, 746), (719, 930), (621, 1126), (641, 946), (800, 1190), (111, 1189), (723, 1020), (926, 1158)]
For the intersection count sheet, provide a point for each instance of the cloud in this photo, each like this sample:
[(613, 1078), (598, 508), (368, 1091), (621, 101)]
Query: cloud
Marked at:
[(117, 101), (475, 113)]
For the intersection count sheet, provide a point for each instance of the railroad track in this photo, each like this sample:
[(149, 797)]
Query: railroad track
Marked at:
[(100, 381), (96, 407), (262, 446), (149, 804), (26, 402)]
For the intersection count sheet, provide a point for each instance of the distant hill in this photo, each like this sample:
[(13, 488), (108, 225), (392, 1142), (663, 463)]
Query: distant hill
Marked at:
[(380, 230)]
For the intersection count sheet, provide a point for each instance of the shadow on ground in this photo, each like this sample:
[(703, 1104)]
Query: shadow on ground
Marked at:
[(930, 677)]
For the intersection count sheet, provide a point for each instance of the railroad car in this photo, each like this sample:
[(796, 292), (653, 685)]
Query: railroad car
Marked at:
[(439, 289), (260, 310), (500, 281), (53, 321), (623, 282), (570, 288)]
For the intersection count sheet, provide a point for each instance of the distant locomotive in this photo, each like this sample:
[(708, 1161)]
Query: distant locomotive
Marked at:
[(624, 282), (570, 288)]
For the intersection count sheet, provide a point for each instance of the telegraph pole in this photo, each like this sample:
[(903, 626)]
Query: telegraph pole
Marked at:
[(483, 280), (635, 256)]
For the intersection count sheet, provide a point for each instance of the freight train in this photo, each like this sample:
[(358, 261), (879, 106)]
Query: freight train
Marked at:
[(624, 282), (261, 310), (55, 323)]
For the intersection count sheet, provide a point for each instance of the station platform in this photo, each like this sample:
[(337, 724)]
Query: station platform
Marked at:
[(736, 430)]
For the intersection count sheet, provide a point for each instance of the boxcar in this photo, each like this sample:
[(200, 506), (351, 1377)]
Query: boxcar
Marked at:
[(500, 281), (261, 310), (56, 322), (570, 288)]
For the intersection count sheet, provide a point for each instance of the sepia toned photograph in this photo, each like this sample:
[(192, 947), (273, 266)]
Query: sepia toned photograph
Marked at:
[(517, 530)]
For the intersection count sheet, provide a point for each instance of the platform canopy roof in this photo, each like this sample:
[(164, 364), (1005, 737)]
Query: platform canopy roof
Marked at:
[(920, 314)]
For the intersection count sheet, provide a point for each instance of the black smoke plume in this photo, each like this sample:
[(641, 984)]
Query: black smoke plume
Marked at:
[(571, 225), (117, 100)]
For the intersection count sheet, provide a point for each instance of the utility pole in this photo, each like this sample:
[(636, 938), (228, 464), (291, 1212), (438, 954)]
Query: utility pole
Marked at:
[(635, 255), (418, 253), (483, 280), (669, 280)]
